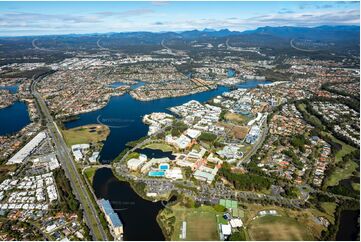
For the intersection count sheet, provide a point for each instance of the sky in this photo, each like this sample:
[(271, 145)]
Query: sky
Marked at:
[(43, 18)]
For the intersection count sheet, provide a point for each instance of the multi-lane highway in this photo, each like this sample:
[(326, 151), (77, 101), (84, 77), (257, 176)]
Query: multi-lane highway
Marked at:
[(63, 153)]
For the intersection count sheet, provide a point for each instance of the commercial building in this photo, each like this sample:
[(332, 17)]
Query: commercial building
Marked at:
[(134, 164), (94, 157), (78, 150), (175, 173), (112, 218), (253, 134), (20, 156)]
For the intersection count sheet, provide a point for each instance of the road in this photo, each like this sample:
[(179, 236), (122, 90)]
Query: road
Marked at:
[(256, 146), (300, 49), (68, 164), (101, 47), (37, 47)]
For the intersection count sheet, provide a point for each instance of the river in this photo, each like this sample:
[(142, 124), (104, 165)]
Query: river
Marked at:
[(123, 115)]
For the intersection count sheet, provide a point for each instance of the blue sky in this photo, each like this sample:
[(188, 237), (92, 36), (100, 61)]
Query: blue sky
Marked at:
[(38, 18)]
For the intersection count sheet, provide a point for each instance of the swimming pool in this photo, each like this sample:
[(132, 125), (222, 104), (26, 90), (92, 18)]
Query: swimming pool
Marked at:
[(156, 173), (164, 167)]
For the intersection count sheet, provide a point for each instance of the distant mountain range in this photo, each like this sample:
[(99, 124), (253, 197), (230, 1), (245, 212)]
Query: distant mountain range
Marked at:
[(343, 40), (333, 32)]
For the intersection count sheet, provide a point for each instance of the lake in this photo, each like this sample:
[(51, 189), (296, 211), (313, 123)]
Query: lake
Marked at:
[(349, 227), (12, 89), (123, 115), (137, 214), (14, 117)]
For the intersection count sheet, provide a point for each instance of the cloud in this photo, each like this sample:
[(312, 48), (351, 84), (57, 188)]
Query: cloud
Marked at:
[(347, 2), (285, 10), (324, 6), (16, 23), (158, 23), (37, 17), (309, 19), (159, 3), (128, 13)]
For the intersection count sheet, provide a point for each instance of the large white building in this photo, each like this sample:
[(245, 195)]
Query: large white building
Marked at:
[(20, 156)]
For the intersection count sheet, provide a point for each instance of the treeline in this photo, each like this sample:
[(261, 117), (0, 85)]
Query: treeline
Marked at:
[(68, 202), (331, 232), (245, 181), (20, 230), (328, 87), (134, 143), (295, 160), (326, 125), (207, 137), (178, 127)]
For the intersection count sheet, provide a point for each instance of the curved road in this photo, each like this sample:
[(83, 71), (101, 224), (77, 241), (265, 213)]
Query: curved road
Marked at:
[(296, 48)]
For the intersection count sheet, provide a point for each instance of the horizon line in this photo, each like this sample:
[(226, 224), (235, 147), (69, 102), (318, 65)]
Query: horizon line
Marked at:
[(180, 31)]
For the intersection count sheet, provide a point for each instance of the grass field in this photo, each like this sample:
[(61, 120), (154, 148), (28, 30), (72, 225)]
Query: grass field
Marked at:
[(201, 222), (346, 149), (330, 208), (277, 228), (312, 119), (159, 146), (236, 118), (341, 174), (92, 133), (202, 225), (356, 186), (89, 173), (303, 217)]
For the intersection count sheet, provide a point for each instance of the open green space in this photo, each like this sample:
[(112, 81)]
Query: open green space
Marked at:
[(201, 222), (356, 186), (278, 228), (236, 118), (346, 149), (89, 173), (159, 146), (340, 174), (309, 117), (92, 133), (202, 225), (329, 207)]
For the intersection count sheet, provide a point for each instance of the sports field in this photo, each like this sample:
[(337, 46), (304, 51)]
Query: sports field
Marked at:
[(277, 228), (202, 226), (201, 223)]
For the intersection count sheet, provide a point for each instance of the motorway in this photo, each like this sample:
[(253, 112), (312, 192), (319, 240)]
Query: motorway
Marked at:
[(68, 164)]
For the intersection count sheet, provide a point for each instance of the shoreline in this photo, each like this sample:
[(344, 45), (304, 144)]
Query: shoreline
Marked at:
[(142, 99)]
